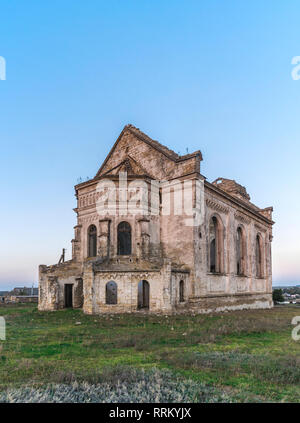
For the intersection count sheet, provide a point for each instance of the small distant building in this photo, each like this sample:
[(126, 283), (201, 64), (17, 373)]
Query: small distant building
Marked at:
[(21, 299), (25, 291), (20, 295)]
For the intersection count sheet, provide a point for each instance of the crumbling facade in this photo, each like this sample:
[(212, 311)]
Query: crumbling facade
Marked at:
[(153, 234)]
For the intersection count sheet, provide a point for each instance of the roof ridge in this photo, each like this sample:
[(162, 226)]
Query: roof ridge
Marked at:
[(156, 143), (247, 204)]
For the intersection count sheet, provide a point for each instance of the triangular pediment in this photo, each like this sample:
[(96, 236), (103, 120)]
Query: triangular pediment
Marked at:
[(137, 154), (130, 166)]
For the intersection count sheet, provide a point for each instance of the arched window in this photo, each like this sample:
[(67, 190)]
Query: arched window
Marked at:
[(92, 241), (143, 295), (111, 293), (259, 257), (213, 255), (240, 251), (181, 291), (124, 239), (216, 246)]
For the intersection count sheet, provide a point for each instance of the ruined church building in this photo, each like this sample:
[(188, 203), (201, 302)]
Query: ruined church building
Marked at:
[(154, 261)]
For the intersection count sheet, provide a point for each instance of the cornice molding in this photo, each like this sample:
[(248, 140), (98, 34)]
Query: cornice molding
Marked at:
[(260, 228), (242, 218), (216, 206)]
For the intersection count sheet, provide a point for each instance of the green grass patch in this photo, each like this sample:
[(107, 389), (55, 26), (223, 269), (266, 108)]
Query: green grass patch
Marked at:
[(248, 355)]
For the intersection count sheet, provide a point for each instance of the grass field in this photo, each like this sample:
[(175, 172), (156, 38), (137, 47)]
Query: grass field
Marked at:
[(236, 356)]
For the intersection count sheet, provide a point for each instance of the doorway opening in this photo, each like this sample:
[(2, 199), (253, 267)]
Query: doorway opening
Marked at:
[(143, 295), (68, 295)]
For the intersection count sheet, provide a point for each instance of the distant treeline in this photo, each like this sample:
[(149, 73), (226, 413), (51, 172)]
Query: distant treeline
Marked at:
[(288, 289)]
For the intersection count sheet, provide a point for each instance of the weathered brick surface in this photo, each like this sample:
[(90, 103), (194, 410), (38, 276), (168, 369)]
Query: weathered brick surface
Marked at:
[(164, 250)]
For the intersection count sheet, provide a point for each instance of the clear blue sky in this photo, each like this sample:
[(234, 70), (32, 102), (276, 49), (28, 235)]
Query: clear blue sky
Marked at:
[(212, 75)]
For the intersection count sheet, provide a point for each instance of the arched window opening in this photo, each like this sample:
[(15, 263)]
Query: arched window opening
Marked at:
[(240, 252), (111, 293), (259, 257), (216, 246), (181, 291), (213, 255), (124, 239), (92, 241), (143, 295)]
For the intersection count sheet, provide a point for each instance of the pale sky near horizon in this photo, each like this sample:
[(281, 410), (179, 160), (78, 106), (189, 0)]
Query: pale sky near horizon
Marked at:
[(209, 75)]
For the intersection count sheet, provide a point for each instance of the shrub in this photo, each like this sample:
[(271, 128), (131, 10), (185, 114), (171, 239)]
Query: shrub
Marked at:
[(277, 296), (153, 386)]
